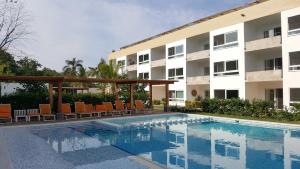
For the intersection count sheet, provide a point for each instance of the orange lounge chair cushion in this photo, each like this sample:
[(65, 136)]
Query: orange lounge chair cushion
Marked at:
[(45, 109), (66, 108), (89, 108), (100, 108), (79, 107), (119, 105), (139, 105), (108, 106), (5, 110)]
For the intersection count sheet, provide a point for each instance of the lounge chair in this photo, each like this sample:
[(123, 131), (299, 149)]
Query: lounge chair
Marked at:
[(20, 114), (139, 106), (110, 109), (100, 109), (129, 108), (80, 110), (66, 111), (5, 112), (45, 111), (120, 107), (33, 113), (89, 108)]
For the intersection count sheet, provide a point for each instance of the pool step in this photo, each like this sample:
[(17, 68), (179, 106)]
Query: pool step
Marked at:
[(172, 122)]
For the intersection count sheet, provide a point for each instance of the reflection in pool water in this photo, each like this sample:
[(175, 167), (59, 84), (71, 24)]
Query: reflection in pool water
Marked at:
[(190, 146)]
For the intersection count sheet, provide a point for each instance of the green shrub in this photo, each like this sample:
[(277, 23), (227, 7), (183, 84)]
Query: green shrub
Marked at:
[(156, 102), (24, 100)]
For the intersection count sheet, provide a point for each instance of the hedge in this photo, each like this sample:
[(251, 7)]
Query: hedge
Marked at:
[(240, 107), (25, 100)]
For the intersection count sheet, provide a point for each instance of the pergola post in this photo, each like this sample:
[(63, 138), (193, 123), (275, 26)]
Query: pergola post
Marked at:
[(59, 99), (131, 94), (117, 91), (150, 95), (167, 97), (51, 94)]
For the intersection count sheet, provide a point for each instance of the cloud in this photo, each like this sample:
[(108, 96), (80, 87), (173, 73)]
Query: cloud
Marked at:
[(89, 30)]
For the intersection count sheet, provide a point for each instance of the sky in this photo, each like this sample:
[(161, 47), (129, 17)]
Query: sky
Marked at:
[(91, 29)]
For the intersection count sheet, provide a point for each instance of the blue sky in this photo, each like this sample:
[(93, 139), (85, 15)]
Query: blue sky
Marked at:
[(90, 29)]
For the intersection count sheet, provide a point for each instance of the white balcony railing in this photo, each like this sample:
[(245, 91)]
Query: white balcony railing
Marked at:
[(131, 68), (204, 54), (158, 63), (265, 43), (264, 76), (198, 80)]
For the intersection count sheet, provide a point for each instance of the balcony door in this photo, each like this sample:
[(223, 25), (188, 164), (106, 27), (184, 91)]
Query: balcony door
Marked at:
[(275, 95)]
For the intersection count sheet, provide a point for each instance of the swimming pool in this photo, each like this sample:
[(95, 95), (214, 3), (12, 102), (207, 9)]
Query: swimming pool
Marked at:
[(188, 145)]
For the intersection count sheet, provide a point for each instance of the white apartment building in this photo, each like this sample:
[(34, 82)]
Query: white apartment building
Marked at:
[(250, 52)]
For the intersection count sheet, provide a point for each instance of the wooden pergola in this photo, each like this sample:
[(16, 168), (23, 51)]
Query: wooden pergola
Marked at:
[(60, 79)]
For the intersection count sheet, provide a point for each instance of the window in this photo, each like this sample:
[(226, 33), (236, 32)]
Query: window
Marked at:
[(229, 39), (206, 46), (219, 67), (294, 61), (176, 73), (226, 94), (143, 59), (176, 95), (273, 64), (226, 68), (266, 34), (121, 63), (232, 65), (207, 94), (277, 31), (294, 25), (230, 94), (220, 94), (206, 71), (175, 51), (295, 95), (219, 40), (144, 75)]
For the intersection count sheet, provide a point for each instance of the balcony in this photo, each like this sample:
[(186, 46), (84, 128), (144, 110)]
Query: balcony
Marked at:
[(264, 76), (204, 54), (198, 80), (131, 68), (158, 63), (266, 43)]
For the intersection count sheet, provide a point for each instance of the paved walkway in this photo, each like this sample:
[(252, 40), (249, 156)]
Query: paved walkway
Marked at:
[(21, 148)]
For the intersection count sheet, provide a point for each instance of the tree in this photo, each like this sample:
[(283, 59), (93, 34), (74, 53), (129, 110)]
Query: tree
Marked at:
[(28, 67), (72, 67), (13, 23), (106, 71), (8, 64)]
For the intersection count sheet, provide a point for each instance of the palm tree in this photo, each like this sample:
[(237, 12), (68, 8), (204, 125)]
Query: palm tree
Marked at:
[(105, 71), (73, 67)]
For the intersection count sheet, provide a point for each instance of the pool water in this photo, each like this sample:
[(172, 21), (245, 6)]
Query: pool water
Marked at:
[(197, 145)]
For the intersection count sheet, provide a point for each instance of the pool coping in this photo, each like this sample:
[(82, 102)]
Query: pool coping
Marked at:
[(266, 124)]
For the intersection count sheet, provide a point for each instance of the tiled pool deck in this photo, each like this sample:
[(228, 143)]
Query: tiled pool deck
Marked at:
[(20, 148)]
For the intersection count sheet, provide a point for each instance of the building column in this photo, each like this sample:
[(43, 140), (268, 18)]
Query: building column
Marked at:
[(150, 95), (51, 94), (59, 99), (167, 97)]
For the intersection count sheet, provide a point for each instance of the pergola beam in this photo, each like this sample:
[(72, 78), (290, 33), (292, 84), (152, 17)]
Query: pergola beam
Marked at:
[(60, 79)]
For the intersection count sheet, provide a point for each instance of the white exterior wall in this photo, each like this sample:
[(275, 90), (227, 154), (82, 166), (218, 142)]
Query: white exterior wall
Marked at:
[(123, 70), (233, 82), (291, 79), (177, 62), (9, 88), (143, 68)]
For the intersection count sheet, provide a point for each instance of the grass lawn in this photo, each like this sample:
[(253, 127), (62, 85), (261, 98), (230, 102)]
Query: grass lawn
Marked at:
[(248, 118)]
